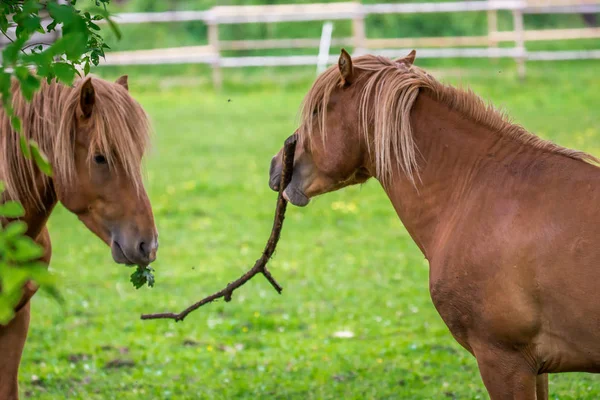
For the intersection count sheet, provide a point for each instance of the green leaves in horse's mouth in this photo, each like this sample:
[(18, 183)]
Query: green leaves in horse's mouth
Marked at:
[(141, 276)]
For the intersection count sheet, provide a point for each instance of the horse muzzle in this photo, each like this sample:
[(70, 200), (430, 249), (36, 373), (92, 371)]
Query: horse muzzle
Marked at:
[(134, 252), (296, 196)]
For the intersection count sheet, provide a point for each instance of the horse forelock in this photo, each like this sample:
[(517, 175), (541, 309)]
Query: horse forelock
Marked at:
[(387, 95), (120, 131)]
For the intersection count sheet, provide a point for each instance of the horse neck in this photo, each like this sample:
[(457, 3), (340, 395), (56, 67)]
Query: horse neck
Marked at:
[(453, 149), (36, 217), (40, 122)]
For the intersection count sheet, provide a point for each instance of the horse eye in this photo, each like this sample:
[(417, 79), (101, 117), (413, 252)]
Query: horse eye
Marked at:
[(99, 159)]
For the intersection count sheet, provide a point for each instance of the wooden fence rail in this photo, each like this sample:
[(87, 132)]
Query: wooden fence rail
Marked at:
[(485, 46)]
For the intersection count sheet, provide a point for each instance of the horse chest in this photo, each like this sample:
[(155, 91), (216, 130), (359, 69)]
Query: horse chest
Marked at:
[(477, 305), (452, 298), (43, 240)]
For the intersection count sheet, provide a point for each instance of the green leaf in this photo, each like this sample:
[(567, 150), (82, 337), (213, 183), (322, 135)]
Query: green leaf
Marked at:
[(11, 209), (40, 158), (11, 51), (23, 143), (51, 26), (38, 272), (32, 24), (31, 6), (43, 61), (114, 27), (16, 123), (25, 249), (61, 13), (3, 23), (86, 68), (64, 72), (14, 229), (141, 276), (52, 291), (29, 83), (5, 82), (95, 58), (14, 278), (73, 45)]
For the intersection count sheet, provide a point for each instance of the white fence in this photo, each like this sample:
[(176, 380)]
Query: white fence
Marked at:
[(486, 46)]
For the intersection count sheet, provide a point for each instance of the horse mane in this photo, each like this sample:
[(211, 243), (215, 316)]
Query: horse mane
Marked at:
[(120, 131), (389, 92)]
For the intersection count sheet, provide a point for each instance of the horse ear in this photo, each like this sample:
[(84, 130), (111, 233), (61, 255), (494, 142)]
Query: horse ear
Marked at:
[(409, 59), (345, 66), (87, 97), (123, 82)]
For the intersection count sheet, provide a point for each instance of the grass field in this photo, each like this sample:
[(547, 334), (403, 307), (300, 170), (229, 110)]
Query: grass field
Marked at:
[(346, 264)]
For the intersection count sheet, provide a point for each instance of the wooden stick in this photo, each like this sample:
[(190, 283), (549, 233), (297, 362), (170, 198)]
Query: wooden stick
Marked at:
[(260, 267)]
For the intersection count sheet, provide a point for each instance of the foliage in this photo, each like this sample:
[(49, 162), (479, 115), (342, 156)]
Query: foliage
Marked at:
[(345, 261), (18, 260), (79, 45), (141, 276)]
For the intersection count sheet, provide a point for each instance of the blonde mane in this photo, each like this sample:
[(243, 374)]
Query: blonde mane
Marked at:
[(121, 132), (389, 92)]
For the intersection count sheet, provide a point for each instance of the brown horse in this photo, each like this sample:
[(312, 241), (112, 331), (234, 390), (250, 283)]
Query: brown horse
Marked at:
[(95, 136), (509, 223)]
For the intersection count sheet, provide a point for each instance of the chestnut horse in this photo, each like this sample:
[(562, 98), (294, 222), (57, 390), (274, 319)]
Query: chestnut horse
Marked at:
[(95, 136), (509, 223)]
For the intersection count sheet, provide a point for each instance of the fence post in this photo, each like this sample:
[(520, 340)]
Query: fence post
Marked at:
[(519, 42), (324, 47), (358, 30), (492, 20), (213, 40)]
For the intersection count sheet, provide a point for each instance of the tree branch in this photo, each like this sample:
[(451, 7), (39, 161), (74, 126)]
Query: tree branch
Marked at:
[(260, 267), (12, 41), (36, 44)]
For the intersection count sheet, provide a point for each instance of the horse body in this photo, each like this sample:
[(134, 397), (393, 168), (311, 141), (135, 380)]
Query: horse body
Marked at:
[(508, 222), (95, 135), (520, 219)]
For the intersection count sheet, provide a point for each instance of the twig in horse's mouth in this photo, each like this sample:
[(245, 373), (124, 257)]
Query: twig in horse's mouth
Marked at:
[(260, 267)]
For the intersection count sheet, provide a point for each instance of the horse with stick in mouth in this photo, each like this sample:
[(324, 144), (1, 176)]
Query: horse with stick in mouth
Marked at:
[(509, 223)]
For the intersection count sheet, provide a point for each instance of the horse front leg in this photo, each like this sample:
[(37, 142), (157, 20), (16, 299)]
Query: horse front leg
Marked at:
[(14, 334), (12, 341), (507, 375), (542, 387)]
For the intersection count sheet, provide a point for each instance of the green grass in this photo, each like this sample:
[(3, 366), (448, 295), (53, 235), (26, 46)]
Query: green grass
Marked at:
[(346, 264)]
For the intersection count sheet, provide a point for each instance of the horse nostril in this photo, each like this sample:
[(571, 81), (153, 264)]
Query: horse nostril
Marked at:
[(144, 249), (273, 175), (148, 250)]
